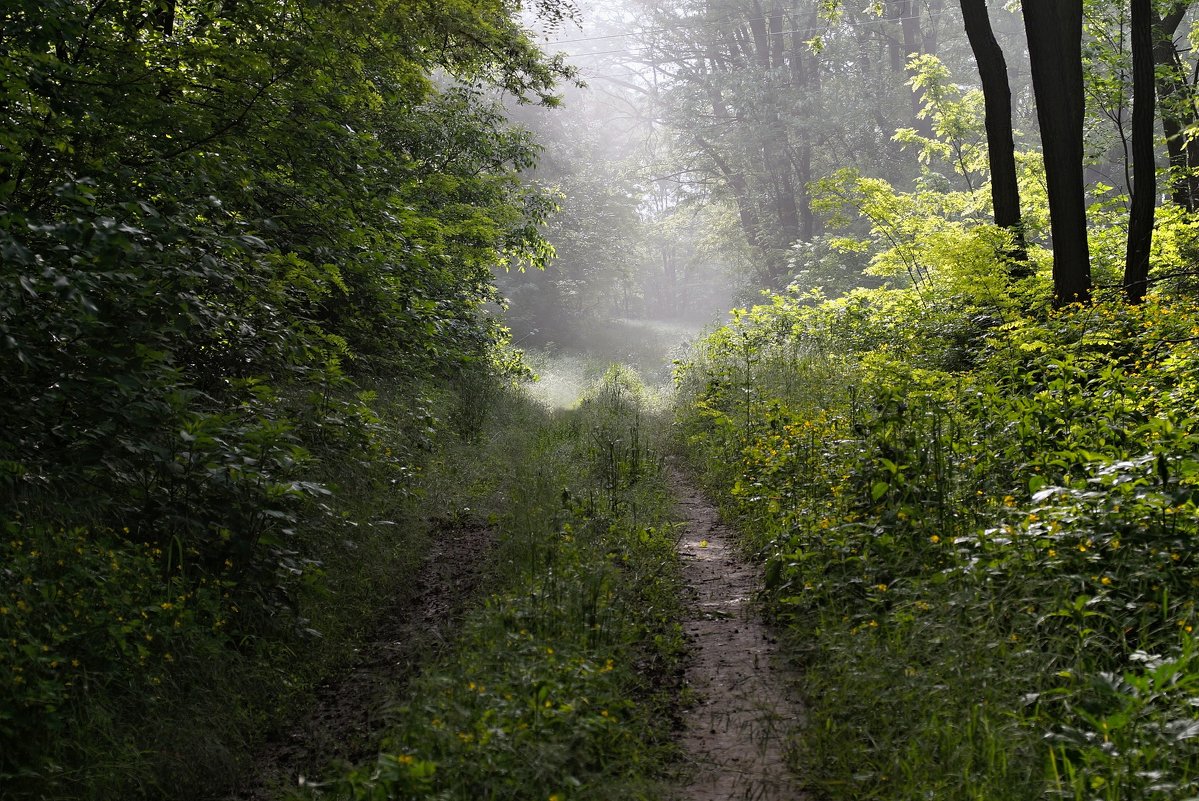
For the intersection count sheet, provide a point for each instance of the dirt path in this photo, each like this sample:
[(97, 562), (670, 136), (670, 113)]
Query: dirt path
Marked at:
[(350, 710), (735, 735)]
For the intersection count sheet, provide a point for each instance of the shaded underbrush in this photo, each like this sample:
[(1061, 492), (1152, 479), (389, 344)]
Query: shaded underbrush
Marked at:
[(124, 684), (135, 667)]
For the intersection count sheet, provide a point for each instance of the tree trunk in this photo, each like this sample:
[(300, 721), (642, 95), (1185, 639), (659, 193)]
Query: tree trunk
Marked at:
[(803, 172), (777, 44), (757, 24), (1144, 181), (895, 50), (1054, 29), (740, 189), (909, 23), (786, 205), (164, 17), (1001, 145), (1177, 100), (930, 38)]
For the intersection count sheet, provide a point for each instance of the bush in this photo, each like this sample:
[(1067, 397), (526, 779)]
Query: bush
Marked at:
[(973, 562)]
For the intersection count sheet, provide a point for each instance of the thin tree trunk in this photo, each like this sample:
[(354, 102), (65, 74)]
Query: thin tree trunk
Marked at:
[(803, 171), (786, 205), (1177, 100), (1001, 145), (909, 22), (895, 10), (1144, 181), (164, 17), (1054, 29), (931, 36), (757, 24)]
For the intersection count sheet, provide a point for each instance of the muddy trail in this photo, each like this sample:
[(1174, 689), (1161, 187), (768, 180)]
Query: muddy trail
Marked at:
[(350, 712), (736, 732)]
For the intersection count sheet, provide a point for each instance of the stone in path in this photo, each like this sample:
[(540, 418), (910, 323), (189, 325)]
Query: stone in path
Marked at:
[(735, 736)]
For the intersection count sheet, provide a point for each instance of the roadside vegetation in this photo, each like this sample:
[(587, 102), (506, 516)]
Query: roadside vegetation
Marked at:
[(561, 683), (976, 516), (139, 669), (247, 254)]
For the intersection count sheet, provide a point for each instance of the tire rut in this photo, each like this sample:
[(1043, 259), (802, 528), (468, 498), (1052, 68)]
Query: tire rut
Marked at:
[(350, 711)]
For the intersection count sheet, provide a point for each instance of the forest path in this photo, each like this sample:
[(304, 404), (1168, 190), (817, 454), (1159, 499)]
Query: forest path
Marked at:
[(735, 734), (351, 710)]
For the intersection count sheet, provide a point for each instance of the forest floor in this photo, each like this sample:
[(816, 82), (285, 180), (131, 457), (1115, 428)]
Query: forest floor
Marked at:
[(350, 711), (741, 707), (736, 730)]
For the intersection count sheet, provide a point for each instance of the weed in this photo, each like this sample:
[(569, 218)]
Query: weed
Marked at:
[(986, 568), (551, 682)]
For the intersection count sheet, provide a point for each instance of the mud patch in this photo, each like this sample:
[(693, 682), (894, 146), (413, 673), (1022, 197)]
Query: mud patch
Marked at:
[(349, 715), (735, 736)]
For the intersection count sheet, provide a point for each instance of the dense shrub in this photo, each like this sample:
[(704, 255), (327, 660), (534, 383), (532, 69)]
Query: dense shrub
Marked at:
[(218, 222), (988, 570)]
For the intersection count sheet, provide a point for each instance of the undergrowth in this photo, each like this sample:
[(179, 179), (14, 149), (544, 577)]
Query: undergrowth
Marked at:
[(128, 674), (978, 530), (557, 686)]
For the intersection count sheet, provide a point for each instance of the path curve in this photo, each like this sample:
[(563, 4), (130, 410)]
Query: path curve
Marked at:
[(736, 732)]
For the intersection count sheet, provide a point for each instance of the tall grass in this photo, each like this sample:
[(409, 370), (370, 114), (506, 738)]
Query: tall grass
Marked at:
[(555, 687)]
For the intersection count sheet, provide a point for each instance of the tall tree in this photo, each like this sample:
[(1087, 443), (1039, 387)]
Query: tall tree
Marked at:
[(1054, 29), (740, 77), (762, 96), (1001, 146), (914, 42), (1178, 108), (1144, 186)]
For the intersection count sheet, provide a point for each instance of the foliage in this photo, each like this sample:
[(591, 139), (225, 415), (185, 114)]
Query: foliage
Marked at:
[(218, 221), (551, 685), (596, 232), (958, 137), (90, 615), (984, 561)]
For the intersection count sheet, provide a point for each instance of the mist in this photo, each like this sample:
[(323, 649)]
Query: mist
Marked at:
[(708, 152)]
